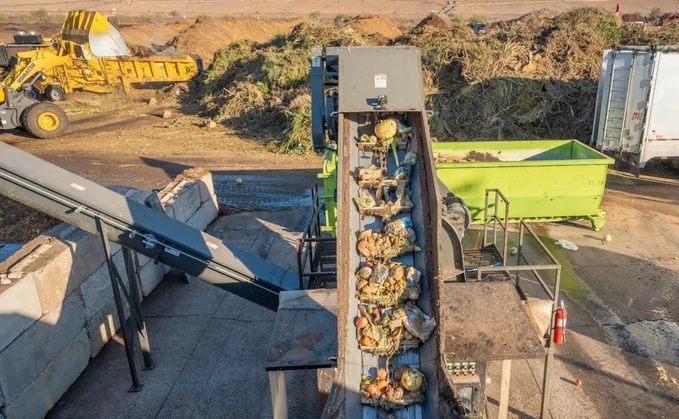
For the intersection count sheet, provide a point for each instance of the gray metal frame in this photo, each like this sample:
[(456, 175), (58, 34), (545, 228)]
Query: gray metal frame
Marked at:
[(310, 248), (524, 265), (134, 301)]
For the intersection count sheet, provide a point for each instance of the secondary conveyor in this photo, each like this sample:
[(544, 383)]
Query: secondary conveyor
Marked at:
[(80, 202)]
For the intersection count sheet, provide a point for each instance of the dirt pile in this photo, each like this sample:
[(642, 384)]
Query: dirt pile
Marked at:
[(374, 25), (208, 34), (153, 35)]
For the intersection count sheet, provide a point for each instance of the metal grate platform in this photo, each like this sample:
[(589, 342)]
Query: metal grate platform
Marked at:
[(486, 256), (325, 260)]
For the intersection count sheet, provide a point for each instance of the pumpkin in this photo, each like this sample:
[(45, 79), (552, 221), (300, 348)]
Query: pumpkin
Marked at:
[(386, 129), (412, 379)]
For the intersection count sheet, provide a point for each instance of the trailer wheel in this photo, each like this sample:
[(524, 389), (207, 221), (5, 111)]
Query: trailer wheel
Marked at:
[(181, 89), (55, 93), (44, 120)]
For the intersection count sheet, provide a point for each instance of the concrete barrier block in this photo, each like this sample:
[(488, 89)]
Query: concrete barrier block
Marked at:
[(150, 275), (182, 201), (59, 267), (50, 265), (103, 325), (207, 188), (203, 216), (97, 289), (19, 309), (46, 390), (139, 195), (26, 357)]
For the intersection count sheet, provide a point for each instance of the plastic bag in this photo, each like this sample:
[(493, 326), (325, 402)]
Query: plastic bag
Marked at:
[(417, 323), (410, 159), (380, 273), (412, 276), (395, 226), (401, 127), (566, 244), (403, 172)]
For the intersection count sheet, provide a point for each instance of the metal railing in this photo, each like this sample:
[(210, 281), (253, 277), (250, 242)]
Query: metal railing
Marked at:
[(311, 243), (524, 265), (503, 223)]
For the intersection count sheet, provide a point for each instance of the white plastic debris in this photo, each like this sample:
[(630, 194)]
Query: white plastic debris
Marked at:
[(566, 244)]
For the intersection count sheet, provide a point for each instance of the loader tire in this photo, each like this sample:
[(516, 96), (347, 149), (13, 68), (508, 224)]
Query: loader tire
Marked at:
[(55, 93), (44, 120)]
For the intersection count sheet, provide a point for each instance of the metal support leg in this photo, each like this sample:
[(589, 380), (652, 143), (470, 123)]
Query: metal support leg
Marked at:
[(546, 382), (279, 396), (135, 305), (127, 337), (504, 388)]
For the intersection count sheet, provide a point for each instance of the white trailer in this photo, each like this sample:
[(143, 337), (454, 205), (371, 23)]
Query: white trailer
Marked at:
[(637, 107)]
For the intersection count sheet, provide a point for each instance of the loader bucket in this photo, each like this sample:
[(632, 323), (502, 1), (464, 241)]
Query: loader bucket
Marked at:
[(92, 30)]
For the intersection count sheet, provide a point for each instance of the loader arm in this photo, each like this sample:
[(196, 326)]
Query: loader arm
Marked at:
[(30, 64)]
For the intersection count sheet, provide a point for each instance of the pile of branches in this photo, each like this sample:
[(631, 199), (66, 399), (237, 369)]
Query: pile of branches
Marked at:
[(531, 78)]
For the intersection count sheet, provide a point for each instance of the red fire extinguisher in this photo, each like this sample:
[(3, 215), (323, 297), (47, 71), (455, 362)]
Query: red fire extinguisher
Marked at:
[(560, 324)]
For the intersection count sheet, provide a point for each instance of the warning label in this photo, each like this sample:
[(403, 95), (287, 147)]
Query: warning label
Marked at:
[(380, 81)]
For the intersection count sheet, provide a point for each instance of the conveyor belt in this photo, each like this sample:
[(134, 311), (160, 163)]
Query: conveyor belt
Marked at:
[(78, 201)]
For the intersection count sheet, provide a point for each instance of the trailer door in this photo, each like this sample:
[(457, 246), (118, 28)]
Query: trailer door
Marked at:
[(662, 127), (622, 100)]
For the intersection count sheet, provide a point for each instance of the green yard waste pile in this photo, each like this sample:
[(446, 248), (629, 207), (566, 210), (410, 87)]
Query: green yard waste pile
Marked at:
[(531, 78)]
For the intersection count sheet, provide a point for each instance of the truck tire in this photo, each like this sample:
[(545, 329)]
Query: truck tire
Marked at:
[(44, 120), (55, 93)]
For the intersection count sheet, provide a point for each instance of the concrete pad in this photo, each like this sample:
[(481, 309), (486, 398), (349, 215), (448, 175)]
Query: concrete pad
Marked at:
[(19, 309), (241, 221), (209, 348), (186, 393), (58, 376), (178, 298), (25, 358), (242, 239), (102, 389)]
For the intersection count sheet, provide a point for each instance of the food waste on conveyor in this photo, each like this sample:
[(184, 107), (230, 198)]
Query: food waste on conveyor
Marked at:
[(388, 321)]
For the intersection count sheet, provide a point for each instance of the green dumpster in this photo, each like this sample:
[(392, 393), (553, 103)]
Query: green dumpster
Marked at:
[(547, 180)]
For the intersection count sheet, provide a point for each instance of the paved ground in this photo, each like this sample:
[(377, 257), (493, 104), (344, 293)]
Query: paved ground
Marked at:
[(208, 344)]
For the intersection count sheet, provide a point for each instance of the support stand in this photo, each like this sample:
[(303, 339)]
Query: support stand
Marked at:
[(132, 296)]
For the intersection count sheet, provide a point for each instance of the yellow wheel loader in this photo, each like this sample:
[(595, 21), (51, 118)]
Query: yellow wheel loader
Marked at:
[(41, 119), (91, 55), (18, 110)]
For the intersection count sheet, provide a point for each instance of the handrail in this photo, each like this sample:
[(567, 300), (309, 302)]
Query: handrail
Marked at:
[(496, 219), (311, 238)]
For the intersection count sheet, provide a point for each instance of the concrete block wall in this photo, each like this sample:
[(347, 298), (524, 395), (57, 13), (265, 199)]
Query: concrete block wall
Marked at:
[(58, 312)]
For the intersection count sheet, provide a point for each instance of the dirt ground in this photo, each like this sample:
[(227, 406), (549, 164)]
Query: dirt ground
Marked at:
[(403, 9)]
